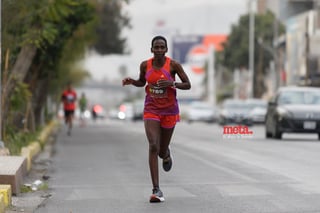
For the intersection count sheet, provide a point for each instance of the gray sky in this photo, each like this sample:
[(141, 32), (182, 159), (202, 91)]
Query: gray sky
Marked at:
[(168, 18)]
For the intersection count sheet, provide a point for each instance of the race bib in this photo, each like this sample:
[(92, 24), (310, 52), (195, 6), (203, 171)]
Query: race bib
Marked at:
[(70, 98), (158, 92)]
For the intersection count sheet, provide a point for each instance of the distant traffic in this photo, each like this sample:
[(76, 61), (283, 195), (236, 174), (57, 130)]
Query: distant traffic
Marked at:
[(292, 109)]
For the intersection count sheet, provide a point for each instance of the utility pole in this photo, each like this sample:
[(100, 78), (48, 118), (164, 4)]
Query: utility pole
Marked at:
[(307, 52), (211, 76), (275, 47), (251, 49)]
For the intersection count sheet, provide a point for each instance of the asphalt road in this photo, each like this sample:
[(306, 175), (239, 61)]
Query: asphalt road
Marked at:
[(103, 168)]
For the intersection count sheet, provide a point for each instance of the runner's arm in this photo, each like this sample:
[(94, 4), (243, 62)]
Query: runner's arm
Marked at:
[(139, 82), (185, 82)]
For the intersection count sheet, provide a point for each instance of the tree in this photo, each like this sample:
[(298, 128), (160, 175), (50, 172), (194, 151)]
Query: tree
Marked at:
[(36, 35), (110, 23), (236, 52), (45, 41)]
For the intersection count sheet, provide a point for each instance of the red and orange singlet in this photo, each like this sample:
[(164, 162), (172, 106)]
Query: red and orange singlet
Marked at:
[(160, 101)]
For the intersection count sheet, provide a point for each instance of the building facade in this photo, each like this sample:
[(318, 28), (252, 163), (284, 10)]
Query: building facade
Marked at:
[(302, 40)]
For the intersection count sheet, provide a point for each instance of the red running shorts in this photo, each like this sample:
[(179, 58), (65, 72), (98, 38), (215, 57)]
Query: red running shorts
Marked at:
[(166, 121)]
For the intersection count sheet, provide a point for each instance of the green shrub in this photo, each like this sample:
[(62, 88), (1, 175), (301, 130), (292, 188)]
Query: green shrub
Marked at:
[(16, 139)]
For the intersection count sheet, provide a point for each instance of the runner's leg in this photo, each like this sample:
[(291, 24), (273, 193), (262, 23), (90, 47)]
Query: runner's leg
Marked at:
[(165, 138), (66, 117), (71, 120), (152, 129)]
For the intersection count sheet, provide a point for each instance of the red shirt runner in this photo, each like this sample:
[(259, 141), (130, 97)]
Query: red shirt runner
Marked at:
[(69, 98)]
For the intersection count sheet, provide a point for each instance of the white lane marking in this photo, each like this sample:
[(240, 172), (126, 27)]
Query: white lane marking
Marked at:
[(216, 166)]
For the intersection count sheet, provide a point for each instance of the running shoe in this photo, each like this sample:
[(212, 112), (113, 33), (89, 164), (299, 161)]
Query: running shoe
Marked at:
[(157, 196), (167, 162)]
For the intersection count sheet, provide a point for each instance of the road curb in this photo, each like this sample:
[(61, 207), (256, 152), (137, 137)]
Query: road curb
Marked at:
[(2, 205), (29, 153), (36, 147), (5, 191), (43, 136)]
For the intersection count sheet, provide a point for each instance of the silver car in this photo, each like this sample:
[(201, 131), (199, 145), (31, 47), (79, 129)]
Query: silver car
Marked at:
[(235, 111), (201, 111), (258, 110), (294, 109)]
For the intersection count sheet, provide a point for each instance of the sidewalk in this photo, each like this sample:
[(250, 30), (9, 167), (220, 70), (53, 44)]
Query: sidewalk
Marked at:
[(28, 200)]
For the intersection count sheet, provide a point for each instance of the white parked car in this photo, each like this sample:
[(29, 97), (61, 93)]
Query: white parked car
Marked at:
[(201, 111), (258, 109)]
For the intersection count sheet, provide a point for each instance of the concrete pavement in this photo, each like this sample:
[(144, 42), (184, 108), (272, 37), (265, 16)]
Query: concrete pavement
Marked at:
[(16, 171), (103, 168)]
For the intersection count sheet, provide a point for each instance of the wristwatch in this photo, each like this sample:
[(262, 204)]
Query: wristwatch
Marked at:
[(174, 84)]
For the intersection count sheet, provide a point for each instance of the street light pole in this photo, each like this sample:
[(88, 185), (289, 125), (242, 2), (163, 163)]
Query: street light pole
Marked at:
[(251, 49), (307, 52), (211, 76)]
